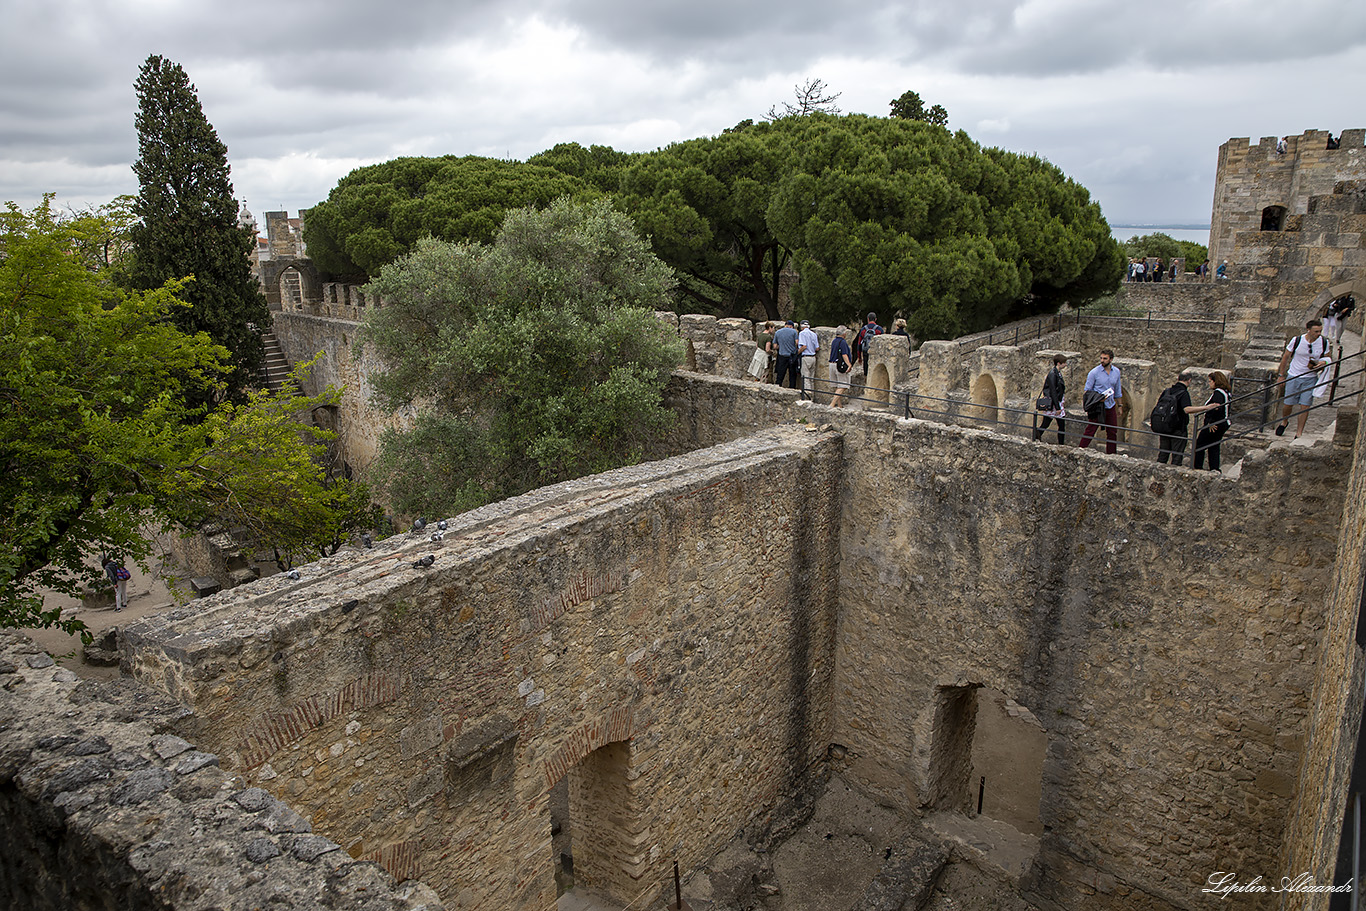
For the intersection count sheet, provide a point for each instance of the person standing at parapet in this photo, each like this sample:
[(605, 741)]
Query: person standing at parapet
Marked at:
[(764, 343), (841, 365), (1216, 421), (1104, 381), (1171, 442), (785, 340), (809, 346), (1053, 409), (864, 340), (1299, 371)]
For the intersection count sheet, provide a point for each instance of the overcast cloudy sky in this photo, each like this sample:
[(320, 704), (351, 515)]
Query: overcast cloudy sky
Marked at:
[(1131, 99)]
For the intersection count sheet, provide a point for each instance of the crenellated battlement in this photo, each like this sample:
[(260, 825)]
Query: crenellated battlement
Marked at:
[(1260, 187)]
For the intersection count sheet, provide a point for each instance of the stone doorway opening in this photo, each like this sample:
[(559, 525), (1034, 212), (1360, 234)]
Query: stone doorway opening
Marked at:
[(593, 820), (987, 748), (291, 287)]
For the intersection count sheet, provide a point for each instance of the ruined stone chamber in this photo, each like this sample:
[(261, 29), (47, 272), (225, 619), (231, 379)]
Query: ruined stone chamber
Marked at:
[(663, 636), (1165, 627)]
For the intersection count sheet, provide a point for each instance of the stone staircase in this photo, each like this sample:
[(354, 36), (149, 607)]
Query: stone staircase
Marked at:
[(275, 371)]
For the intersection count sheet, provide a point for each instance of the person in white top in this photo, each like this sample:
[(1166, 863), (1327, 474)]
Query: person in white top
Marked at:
[(809, 346), (1304, 356)]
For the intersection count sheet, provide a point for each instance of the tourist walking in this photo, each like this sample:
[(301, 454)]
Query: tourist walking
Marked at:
[(1338, 311), (1303, 357), (809, 346), (1171, 419), (119, 575), (1050, 403), (841, 366), (787, 359), (864, 341), (1103, 386), (1208, 440)]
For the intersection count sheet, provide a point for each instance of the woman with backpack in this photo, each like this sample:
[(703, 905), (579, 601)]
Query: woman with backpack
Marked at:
[(1216, 421), (119, 575)]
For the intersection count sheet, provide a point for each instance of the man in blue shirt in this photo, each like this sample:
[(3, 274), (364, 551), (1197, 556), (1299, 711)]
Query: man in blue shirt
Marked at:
[(1103, 379), (785, 340)]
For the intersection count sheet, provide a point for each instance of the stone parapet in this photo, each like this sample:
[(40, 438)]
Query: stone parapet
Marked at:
[(613, 629), (105, 809)]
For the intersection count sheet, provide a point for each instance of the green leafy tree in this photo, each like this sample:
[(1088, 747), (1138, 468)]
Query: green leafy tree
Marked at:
[(704, 205), (872, 214), (532, 360), (378, 213), (97, 441), (1165, 246), (910, 107), (91, 410), (600, 166), (260, 466), (187, 220)]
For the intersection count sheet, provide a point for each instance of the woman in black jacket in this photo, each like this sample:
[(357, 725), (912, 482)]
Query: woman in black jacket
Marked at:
[(1053, 388), (1216, 421)]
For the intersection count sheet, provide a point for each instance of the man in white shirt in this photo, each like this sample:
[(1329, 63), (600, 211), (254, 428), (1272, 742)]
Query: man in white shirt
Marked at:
[(1303, 357), (808, 345)]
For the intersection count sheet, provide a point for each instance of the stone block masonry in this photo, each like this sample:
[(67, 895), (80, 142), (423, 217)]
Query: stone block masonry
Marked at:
[(102, 809), (661, 635), (1165, 627)]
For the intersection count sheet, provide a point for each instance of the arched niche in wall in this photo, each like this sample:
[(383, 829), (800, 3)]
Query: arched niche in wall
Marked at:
[(1273, 218), (985, 401), (879, 384)]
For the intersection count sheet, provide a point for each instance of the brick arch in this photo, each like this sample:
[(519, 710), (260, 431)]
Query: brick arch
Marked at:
[(616, 724), (272, 732)]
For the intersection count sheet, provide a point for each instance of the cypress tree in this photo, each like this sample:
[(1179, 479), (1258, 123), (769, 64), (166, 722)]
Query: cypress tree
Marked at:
[(187, 219)]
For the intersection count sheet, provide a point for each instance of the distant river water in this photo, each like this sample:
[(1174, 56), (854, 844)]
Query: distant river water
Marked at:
[(1192, 233)]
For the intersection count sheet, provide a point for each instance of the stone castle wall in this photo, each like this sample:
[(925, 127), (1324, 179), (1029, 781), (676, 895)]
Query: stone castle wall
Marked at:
[(1291, 225), (663, 635), (1326, 774), (1166, 643), (1248, 178), (104, 809), (303, 337), (951, 372)]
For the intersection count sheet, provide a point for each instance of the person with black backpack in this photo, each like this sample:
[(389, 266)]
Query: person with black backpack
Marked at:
[(863, 342), (1170, 418)]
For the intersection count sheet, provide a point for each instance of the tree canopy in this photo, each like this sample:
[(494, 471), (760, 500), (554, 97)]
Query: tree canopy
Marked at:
[(377, 213), (910, 107), (97, 436), (187, 221), (530, 360), (875, 213), (852, 212)]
